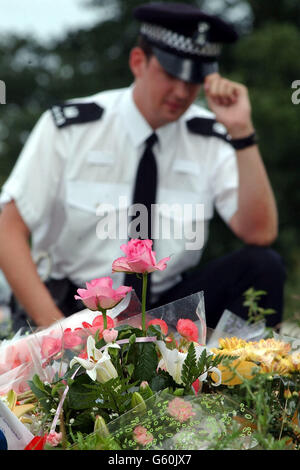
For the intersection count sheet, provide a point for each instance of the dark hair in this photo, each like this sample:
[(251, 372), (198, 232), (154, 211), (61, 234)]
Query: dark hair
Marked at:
[(145, 46)]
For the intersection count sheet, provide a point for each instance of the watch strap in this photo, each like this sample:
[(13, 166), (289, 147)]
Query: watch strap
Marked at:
[(244, 142)]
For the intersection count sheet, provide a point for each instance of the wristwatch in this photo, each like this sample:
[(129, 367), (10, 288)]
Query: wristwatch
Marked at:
[(244, 142)]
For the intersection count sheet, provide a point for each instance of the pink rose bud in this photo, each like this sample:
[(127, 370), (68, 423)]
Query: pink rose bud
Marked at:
[(144, 384), (110, 336)]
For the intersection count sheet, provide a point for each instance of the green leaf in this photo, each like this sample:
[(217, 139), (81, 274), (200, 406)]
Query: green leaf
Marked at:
[(146, 359), (189, 367), (162, 381), (84, 421), (132, 339), (155, 330), (125, 331), (80, 395), (202, 362), (42, 392), (179, 392), (130, 369)]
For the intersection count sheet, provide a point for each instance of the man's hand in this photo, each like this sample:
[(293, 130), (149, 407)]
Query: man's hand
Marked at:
[(255, 221), (229, 101)]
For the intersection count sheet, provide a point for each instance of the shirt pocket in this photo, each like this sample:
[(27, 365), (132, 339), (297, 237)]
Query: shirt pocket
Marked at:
[(185, 205), (182, 227), (92, 196), (100, 157), (186, 167), (97, 209)]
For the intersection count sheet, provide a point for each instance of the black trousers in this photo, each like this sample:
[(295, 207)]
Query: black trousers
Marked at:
[(225, 279)]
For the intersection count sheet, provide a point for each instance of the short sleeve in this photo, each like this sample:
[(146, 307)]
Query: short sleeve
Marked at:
[(35, 177), (225, 181)]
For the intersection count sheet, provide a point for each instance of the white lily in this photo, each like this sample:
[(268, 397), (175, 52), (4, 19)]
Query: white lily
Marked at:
[(173, 360), (98, 365)]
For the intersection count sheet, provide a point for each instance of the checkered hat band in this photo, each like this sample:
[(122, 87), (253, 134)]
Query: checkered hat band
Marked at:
[(179, 42)]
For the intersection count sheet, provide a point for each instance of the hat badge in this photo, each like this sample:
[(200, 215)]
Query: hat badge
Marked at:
[(200, 35)]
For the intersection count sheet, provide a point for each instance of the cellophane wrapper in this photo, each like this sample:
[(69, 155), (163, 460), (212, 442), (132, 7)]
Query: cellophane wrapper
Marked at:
[(166, 422), (47, 352)]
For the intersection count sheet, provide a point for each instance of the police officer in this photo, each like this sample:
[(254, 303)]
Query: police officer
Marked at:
[(72, 187)]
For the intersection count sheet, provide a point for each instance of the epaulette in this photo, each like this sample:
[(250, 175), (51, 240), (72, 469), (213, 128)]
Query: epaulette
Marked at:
[(208, 127), (65, 114)]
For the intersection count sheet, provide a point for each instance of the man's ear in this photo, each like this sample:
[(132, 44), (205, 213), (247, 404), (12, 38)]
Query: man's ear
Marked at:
[(137, 61)]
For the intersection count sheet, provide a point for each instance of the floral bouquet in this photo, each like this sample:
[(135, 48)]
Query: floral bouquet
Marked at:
[(150, 381), (103, 360)]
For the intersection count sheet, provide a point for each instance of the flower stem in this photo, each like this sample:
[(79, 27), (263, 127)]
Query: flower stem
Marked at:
[(144, 295), (104, 319)]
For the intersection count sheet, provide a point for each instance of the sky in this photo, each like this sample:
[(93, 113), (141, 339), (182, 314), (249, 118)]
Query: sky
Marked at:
[(45, 19), (51, 19)]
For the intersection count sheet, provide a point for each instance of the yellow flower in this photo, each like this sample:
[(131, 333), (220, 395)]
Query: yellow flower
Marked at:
[(232, 343), (270, 354), (231, 347), (242, 369), (273, 345), (278, 366), (295, 361)]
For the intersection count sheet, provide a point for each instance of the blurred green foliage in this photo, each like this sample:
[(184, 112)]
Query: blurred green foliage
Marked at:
[(266, 59)]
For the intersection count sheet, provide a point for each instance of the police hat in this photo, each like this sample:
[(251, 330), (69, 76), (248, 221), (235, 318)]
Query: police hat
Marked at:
[(185, 41)]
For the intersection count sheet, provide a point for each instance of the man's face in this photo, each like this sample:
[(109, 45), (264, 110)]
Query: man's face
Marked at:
[(161, 97)]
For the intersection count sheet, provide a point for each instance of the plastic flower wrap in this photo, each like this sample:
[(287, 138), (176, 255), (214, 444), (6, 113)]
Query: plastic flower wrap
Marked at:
[(168, 422), (48, 351)]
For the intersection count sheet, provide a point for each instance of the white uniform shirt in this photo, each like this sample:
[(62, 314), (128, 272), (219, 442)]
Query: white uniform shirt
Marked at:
[(64, 175)]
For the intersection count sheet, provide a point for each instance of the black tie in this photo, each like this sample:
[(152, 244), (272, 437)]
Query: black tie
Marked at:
[(144, 193)]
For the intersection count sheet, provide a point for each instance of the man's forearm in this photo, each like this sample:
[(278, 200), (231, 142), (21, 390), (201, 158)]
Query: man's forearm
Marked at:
[(21, 273), (256, 220)]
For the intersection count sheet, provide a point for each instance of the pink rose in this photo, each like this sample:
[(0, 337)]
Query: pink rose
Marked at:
[(100, 294), (187, 329), (110, 335), (139, 258), (161, 323), (97, 325)]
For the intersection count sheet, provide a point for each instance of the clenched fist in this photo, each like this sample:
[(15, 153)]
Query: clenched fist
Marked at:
[(229, 101)]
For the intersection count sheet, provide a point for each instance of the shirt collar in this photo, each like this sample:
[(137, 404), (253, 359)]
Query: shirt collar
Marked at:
[(135, 123)]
